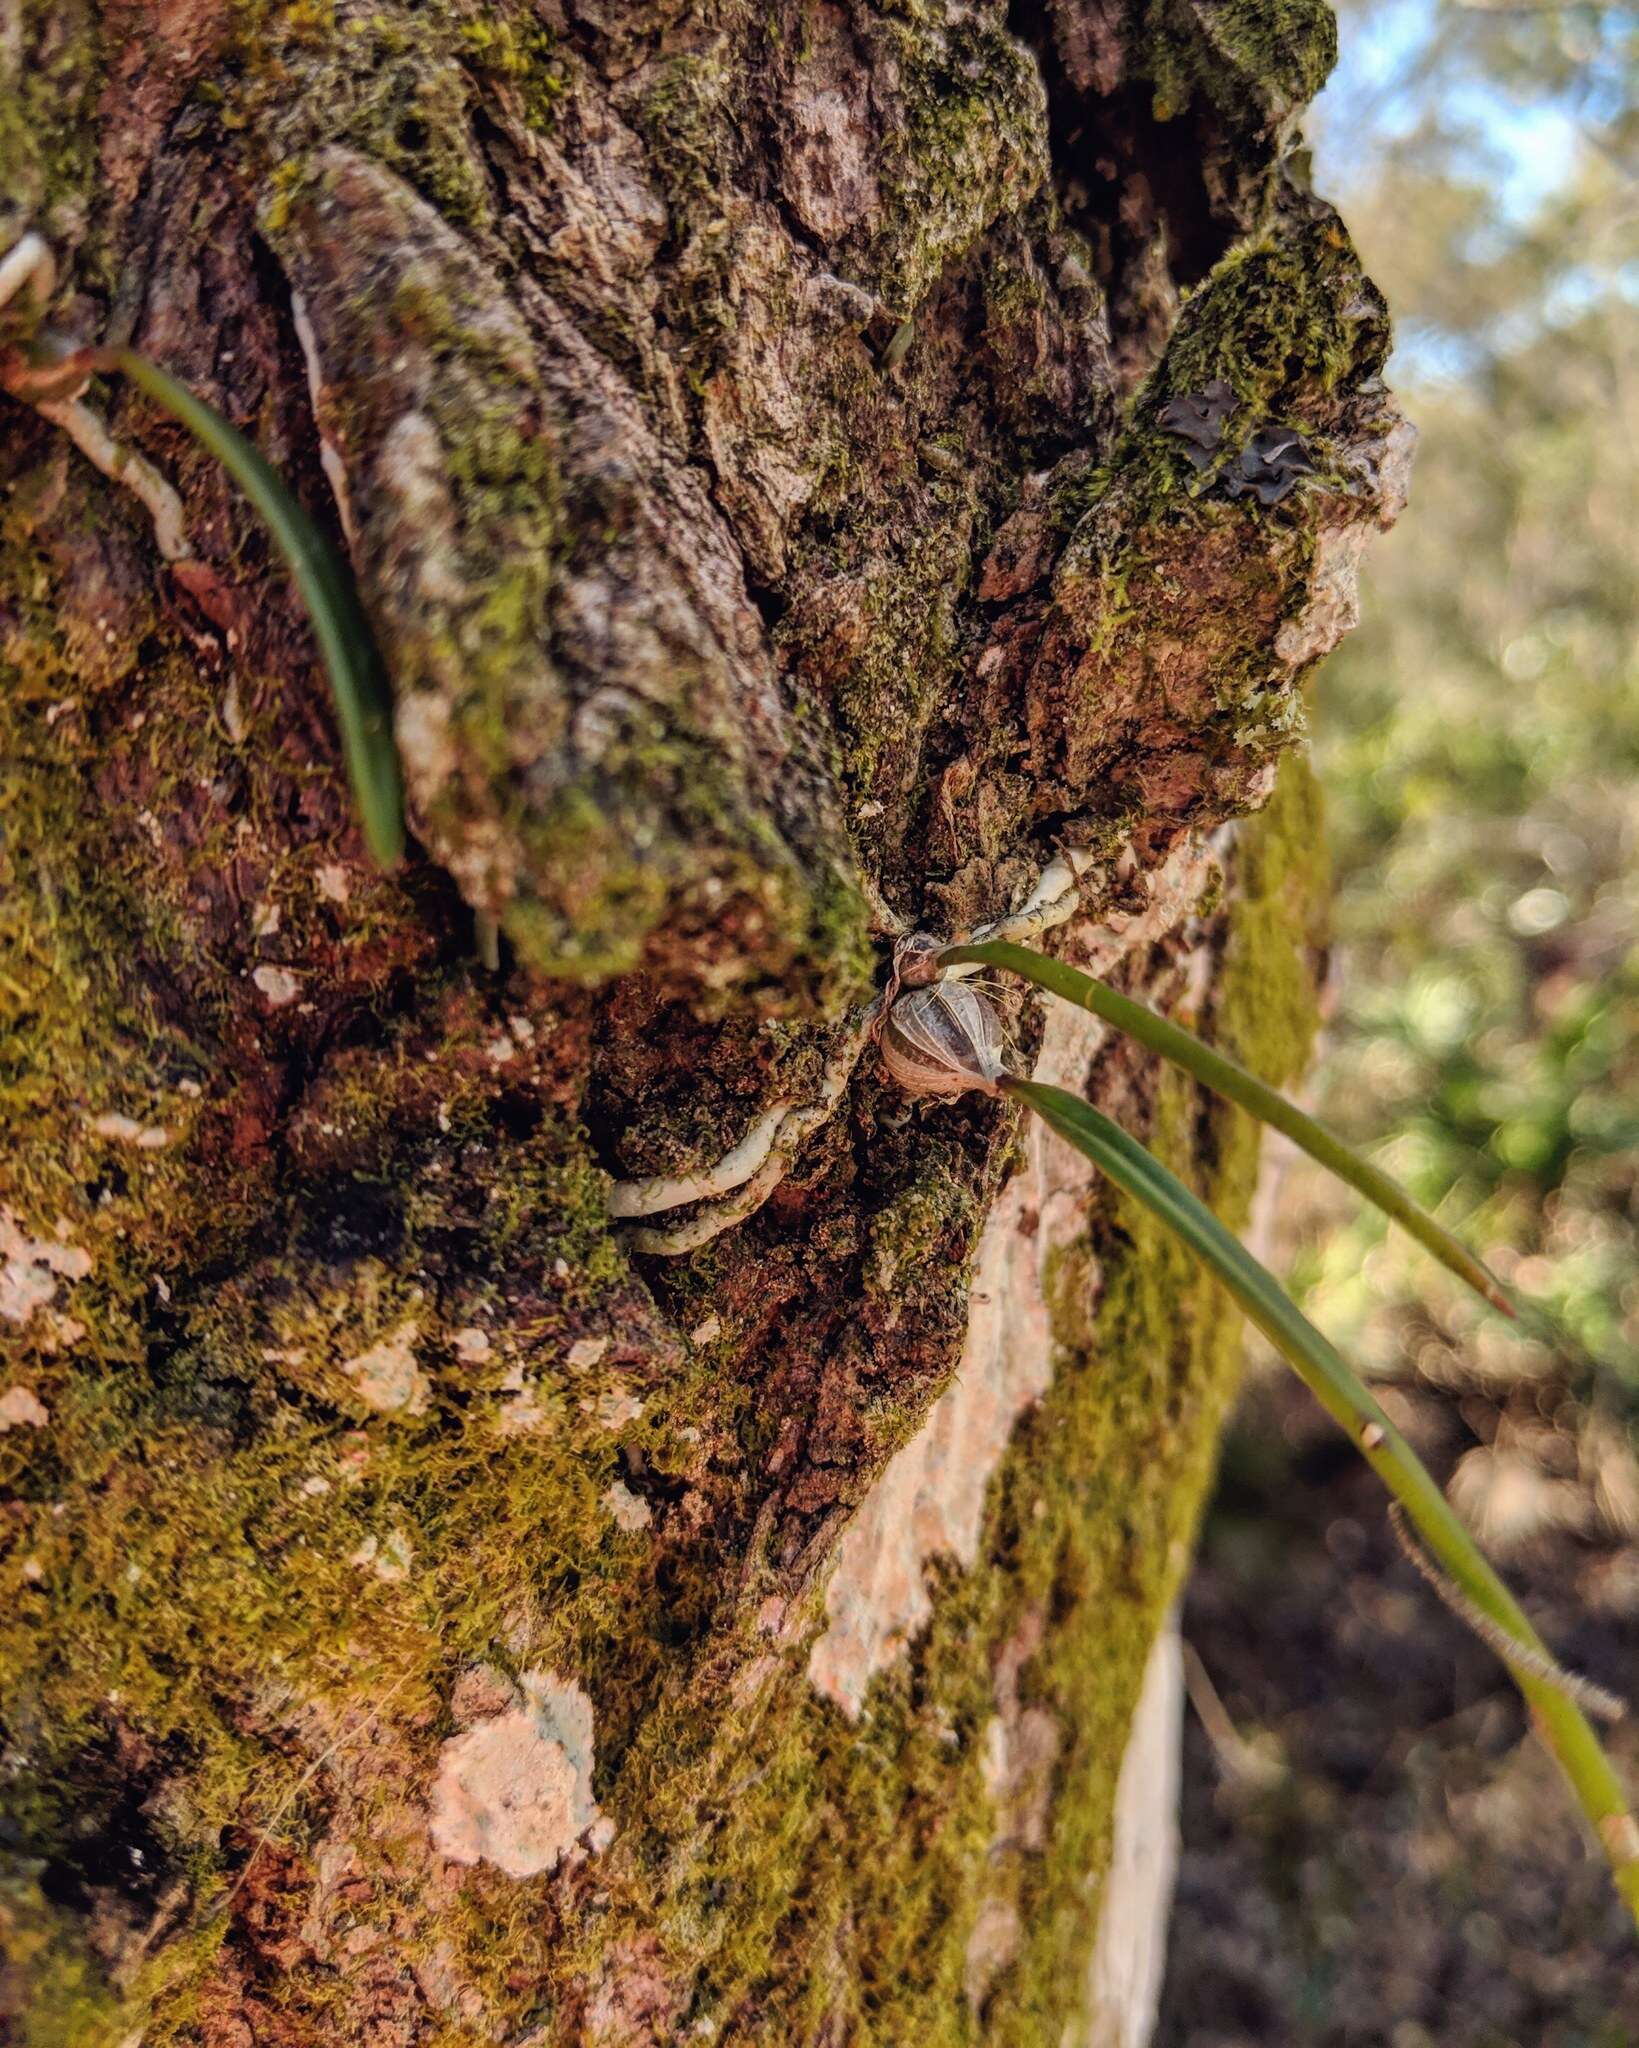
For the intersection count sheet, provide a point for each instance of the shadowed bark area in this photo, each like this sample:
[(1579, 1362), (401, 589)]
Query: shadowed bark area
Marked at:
[(744, 424)]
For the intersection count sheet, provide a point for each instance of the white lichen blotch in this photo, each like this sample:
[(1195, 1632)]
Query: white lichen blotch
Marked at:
[(277, 986), (387, 1378), (126, 1130), (21, 1408), (630, 1510), (515, 1789), (31, 1267)]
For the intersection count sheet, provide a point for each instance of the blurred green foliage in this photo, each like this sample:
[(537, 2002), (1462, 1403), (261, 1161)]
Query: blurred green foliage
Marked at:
[(1479, 735)]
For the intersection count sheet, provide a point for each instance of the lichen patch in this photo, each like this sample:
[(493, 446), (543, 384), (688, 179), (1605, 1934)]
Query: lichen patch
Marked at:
[(126, 1130), (21, 1407), (30, 1268), (615, 1408), (387, 1377), (630, 1510), (516, 1790), (389, 1556), (277, 986)]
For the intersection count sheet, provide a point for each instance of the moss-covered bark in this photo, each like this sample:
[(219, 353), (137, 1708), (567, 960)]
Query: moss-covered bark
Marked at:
[(743, 423)]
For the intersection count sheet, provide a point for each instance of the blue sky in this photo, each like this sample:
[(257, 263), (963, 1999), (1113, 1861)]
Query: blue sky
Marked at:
[(1379, 94), (1407, 65)]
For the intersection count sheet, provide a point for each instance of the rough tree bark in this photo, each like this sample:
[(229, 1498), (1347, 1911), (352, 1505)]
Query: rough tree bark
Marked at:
[(426, 1617)]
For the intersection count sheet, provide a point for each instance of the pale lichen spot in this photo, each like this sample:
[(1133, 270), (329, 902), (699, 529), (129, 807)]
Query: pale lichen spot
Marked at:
[(30, 1268), (614, 1408), (516, 1790), (586, 1351), (521, 1411), (629, 1509), (277, 986), (126, 1130), (993, 1944), (389, 1556), (753, 1679), (471, 1345), (421, 720), (21, 1408), (387, 1377)]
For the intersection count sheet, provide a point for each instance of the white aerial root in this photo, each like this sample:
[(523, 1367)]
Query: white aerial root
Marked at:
[(28, 261), (123, 466), (29, 264), (1054, 901), (737, 1185), (737, 1165), (756, 1186)]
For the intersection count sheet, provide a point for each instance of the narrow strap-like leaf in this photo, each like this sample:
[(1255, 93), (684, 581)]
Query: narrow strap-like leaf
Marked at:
[(1228, 1079), (358, 680), (1564, 1727)]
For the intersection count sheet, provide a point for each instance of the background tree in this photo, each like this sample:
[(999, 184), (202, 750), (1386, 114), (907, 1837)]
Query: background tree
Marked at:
[(433, 1609), (1479, 742)]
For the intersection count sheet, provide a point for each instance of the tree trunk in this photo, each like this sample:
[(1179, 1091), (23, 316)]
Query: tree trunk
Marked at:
[(434, 1611)]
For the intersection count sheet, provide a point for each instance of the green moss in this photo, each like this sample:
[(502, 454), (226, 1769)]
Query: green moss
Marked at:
[(1288, 318), (970, 146), (688, 123), (80, 1037), (906, 1230), (1153, 548), (223, 1548), (1255, 60), (52, 1994), (163, 1501), (243, 1534), (908, 660), (665, 835), (228, 1556), (1121, 1449), (397, 83), (681, 114), (48, 134), (598, 930), (582, 870), (522, 52), (1266, 1013)]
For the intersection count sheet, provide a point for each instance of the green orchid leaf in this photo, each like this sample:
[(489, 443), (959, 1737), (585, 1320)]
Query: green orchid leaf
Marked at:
[(358, 679), (1563, 1726), (1228, 1079)]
